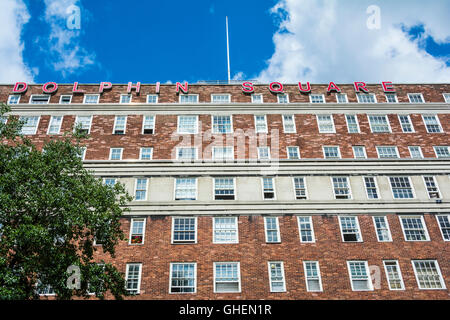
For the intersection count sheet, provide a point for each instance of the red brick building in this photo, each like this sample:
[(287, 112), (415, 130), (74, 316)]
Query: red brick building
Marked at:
[(262, 192)]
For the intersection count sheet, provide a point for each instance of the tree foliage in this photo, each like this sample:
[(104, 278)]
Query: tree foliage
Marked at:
[(51, 211)]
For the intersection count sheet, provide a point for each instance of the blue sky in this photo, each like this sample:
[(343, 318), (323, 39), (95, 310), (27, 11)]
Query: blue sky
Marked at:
[(270, 40)]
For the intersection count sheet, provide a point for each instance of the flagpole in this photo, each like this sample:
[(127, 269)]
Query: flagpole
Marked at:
[(228, 52)]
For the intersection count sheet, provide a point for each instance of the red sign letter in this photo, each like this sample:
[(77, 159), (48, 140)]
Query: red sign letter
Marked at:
[(20, 87), (50, 84), (75, 88), (333, 87), (360, 86), (276, 87), (131, 87), (388, 86), (247, 87), (307, 90), (104, 85), (185, 89), (157, 87)]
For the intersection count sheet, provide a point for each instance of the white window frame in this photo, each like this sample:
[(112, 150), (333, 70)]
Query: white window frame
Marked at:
[(91, 95), (223, 158), (317, 95), (410, 123), (277, 229), (295, 190), (284, 95), (65, 95), (438, 269), (185, 159), (35, 128), (273, 186), (179, 131), (356, 120), (366, 267), (387, 227), (220, 94), (39, 95), (364, 151), (111, 152), (13, 95), (153, 123), (410, 184), (439, 224), (338, 149), (293, 123), (221, 115), (313, 236), (257, 94), (151, 153), (397, 265), (265, 130), (189, 95), (436, 185), (376, 187), (332, 123), (435, 152), (124, 126), (350, 196), (131, 231), (297, 150), (175, 189), (50, 125), (436, 117), (152, 95), (392, 94), (139, 276), (420, 94), (420, 151), (319, 277), (379, 115), (173, 241), (446, 97), (282, 273), (341, 95), (395, 148), (361, 94), (215, 241), (234, 187), (359, 237), (135, 189), (125, 95), (259, 153), (171, 273), (425, 229), (90, 122), (238, 264), (83, 155)]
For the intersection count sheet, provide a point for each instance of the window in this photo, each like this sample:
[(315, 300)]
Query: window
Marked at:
[(432, 187), (325, 123), (415, 98), (293, 153), (288, 123), (359, 276), (225, 230), (442, 151), (272, 229), (146, 153), (260, 124), (341, 187), (187, 124), (263, 153), (141, 189), (350, 229), (268, 188), (382, 228), (188, 98), (317, 98), (331, 152), (401, 187), (387, 152), (30, 125), (300, 188), (220, 98), (283, 98), (148, 126), (83, 153), (379, 124), (115, 154), (444, 225), (391, 98), (257, 98), (184, 230), (185, 189), (65, 99), (393, 275), (186, 153), (183, 277), (222, 124), (133, 278), (414, 228), (85, 122), (13, 99), (352, 123), (152, 98), (39, 99), (371, 187), (341, 98), (224, 189), (428, 274), (446, 97), (125, 98), (359, 152), (405, 122), (55, 125), (120, 123), (223, 153), (44, 290), (91, 98), (305, 227), (227, 277), (432, 123), (109, 182), (415, 152), (366, 98), (312, 276), (276, 275), (137, 231)]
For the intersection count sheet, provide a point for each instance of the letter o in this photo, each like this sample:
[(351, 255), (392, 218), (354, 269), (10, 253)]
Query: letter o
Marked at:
[(50, 84)]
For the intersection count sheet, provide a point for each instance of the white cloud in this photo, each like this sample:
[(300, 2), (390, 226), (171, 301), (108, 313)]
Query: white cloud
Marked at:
[(67, 55), (328, 40), (13, 16)]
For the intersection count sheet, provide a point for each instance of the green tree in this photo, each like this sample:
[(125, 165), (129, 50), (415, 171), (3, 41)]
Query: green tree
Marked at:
[(51, 212)]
